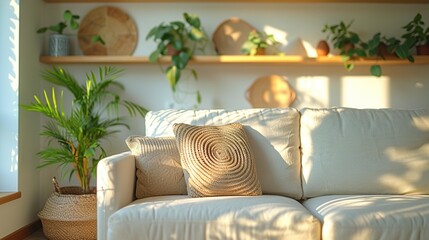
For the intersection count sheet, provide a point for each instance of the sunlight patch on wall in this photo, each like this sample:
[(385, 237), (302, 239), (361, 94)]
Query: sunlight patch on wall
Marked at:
[(279, 35), (365, 92), (312, 91)]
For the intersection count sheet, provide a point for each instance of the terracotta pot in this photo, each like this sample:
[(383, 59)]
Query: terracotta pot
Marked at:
[(260, 51), (171, 51), (322, 48), (383, 51), (348, 47), (423, 49)]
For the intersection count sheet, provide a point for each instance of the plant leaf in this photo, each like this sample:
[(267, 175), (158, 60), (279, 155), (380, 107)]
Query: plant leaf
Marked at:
[(67, 16), (375, 70), (193, 20), (173, 75), (42, 30), (196, 34), (98, 39)]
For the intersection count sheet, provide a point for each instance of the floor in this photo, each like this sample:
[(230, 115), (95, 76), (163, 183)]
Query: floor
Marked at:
[(36, 236)]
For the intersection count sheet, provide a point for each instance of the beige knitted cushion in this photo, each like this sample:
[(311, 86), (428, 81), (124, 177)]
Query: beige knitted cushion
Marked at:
[(217, 160), (159, 171)]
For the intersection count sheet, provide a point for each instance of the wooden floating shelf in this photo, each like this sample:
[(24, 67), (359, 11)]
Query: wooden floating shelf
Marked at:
[(243, 1), (229, 59)]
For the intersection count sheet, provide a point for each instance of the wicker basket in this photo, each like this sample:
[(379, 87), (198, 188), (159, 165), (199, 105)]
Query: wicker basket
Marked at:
[(69, 214)]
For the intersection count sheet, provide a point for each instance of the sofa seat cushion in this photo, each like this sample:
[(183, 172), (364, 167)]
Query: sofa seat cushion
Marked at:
[(227, 217), (273, 135), (378, 217)]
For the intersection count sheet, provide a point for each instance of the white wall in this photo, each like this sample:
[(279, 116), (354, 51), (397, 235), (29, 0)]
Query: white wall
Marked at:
[(222, 86), (21, 212)]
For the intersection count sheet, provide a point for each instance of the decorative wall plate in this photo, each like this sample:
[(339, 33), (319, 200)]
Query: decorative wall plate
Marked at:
[(117, 29), (270, 92), (230, 36)]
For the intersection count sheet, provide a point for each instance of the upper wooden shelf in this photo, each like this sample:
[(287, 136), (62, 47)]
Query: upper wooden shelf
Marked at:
[(236, 59), (245, 1)]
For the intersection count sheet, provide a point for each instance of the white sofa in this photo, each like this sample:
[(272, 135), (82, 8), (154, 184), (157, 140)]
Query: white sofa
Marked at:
[(336, 173)]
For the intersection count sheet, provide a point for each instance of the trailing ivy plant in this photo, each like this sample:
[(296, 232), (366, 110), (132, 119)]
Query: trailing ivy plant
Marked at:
[(179, 40)]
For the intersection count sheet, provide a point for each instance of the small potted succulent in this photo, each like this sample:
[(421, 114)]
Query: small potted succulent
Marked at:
[(257, 42), (179, 40), (58, 42), (417, 35)]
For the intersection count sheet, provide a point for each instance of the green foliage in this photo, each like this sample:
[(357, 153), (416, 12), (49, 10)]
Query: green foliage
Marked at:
[(78, 127), (179, 40), (341, 36), (416, 34), (69, 20), (257, 40)]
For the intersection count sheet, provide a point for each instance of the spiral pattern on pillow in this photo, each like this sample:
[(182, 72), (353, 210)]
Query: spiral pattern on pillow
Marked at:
[(217, 160)]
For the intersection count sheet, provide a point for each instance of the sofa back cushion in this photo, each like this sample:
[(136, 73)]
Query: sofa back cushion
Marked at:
[(273, 135), (364, 151)]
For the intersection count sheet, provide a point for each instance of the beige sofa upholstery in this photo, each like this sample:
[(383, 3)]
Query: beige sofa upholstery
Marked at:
[(325, 174)]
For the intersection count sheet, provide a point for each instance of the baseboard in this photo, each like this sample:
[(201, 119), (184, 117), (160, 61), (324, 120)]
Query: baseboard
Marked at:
[(24, 231)]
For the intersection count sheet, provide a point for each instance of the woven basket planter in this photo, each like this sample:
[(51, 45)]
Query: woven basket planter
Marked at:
[(69, 214)]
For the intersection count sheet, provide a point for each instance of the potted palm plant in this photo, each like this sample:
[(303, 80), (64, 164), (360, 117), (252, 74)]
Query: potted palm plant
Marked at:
[(77, 129), (178, 39), (257, 42)]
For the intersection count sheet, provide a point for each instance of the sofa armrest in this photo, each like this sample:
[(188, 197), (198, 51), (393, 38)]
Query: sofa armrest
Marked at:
[(115, 187)]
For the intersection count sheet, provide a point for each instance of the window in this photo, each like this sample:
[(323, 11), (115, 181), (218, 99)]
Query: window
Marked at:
[(9, 52)]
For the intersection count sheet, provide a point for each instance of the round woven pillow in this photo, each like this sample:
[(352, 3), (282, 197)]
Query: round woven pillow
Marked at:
[(217, 160)]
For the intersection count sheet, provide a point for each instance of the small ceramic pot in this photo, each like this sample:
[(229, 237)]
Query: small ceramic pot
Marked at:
[(58, 45), (322, 48)]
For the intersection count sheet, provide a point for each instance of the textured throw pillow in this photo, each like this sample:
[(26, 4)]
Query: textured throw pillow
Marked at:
[(217, 160), (159, 171)]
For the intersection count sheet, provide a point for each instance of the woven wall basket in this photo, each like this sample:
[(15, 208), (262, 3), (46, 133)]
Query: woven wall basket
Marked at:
[(68, 214)]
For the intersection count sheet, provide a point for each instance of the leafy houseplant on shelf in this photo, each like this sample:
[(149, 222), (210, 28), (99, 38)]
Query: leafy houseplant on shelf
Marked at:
[(346, 41), (416, 35), (351, 46), (77, 128), (178, 39), (257, 42), (58, 42)]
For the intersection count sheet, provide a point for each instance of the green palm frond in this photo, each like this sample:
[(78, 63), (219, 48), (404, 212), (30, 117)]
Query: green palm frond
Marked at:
[(78, 127)]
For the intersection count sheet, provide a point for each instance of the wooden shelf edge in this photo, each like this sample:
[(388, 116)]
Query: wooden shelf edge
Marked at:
[(243, 1), (227, 59), (6, 197)]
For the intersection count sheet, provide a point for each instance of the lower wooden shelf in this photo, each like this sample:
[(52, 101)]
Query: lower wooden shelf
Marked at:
[(229, 59)]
